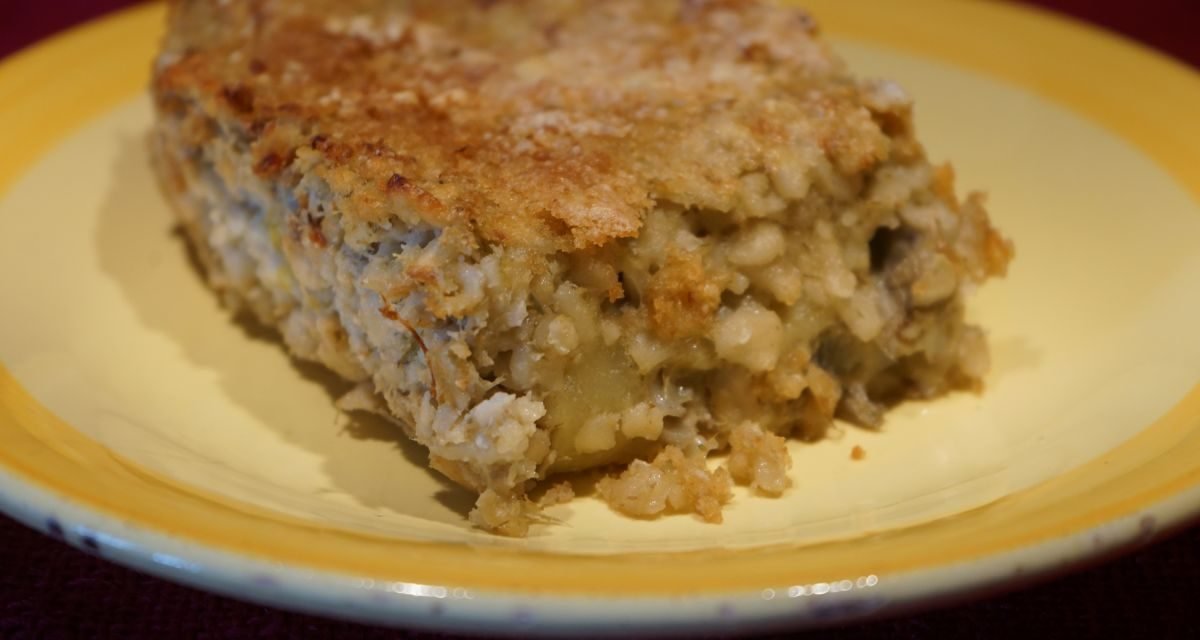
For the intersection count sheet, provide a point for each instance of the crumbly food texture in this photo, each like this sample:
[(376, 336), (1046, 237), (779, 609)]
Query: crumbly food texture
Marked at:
[(553, 235)]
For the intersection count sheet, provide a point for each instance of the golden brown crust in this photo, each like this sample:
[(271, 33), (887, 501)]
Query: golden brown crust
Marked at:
[(553, 124)]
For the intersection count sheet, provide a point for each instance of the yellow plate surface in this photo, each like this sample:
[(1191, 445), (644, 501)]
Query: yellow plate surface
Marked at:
[(132, 408)]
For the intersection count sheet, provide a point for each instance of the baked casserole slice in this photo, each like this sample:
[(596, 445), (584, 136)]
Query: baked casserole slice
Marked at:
[(552, 235)]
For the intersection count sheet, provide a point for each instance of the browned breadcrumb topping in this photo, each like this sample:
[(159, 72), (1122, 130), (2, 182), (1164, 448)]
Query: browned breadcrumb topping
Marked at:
[(543, 123)]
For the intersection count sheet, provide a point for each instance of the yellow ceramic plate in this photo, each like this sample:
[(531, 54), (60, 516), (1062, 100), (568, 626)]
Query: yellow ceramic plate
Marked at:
[(138, 420)]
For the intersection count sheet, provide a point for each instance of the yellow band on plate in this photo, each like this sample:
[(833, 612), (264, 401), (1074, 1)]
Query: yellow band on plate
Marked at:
[(49, 90)]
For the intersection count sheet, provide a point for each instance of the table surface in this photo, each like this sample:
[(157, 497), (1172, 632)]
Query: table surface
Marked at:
[(50, 590)]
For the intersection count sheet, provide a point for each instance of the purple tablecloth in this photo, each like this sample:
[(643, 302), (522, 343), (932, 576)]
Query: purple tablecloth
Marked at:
[(48, 590)]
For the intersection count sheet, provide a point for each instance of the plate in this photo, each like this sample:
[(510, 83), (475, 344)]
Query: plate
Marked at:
[(138, 421)]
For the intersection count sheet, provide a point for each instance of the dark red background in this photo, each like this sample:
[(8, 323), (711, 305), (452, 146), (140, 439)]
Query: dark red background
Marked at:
[(48, 590)]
